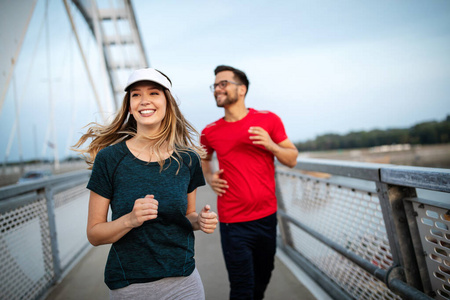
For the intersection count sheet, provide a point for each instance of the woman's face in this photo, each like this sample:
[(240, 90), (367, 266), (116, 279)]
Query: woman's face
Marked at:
[(148, 106)]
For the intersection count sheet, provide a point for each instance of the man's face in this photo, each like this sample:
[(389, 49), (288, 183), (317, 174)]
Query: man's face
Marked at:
[(229, 94)]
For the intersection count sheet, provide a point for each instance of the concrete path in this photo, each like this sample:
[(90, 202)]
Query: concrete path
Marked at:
[(85, 280)]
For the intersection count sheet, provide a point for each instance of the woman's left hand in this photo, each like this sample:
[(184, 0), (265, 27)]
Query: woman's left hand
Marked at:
[(207, 220)]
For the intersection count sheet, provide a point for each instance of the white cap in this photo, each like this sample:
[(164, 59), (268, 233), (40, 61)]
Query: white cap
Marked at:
[(148, 74)]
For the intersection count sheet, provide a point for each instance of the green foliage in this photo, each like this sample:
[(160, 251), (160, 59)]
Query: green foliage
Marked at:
[(423, 133)]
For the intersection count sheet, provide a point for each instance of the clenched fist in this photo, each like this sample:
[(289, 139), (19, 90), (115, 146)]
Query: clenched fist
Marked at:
[(144, 209), (207, 220)]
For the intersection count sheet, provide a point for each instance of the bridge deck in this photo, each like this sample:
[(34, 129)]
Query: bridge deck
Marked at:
[(85, 280)]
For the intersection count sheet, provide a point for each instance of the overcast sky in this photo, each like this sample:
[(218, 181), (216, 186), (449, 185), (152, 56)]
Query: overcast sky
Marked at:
[(323, 66)]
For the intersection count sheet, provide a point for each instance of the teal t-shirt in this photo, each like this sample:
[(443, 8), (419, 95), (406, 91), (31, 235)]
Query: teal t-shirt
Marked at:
[(159, 248)]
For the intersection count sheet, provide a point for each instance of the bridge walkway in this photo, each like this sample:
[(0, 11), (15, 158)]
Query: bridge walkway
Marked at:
[(85, 280)]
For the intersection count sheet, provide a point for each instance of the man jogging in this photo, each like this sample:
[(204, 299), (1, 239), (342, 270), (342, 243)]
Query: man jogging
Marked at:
[(245, 141)]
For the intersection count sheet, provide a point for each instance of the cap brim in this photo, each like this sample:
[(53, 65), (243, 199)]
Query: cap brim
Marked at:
[(148, 74)]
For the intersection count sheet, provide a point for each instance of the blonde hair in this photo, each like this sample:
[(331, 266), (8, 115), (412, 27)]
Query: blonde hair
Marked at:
[(175, 130)]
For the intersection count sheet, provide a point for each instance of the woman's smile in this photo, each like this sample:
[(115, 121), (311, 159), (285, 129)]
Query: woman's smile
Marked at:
[(147, 112)]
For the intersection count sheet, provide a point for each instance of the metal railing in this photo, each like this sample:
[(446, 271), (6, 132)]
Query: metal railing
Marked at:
[(42, 232), (361, 230)]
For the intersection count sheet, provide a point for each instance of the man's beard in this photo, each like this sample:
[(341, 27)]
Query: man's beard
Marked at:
[(228, 100)]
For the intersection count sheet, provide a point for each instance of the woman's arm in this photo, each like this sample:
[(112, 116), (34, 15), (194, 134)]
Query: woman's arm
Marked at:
[(206, 220), (100, 231)]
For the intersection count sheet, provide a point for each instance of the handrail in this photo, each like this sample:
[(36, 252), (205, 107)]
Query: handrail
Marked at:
[(393, 198), (359, 170), (405, 217), (42, 225), (436, 179), (16, 189), (425, 178)]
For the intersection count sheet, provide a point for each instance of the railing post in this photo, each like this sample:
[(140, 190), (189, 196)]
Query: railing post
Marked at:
[(286, 235), (53, 236), (402, 247), (411, 214)]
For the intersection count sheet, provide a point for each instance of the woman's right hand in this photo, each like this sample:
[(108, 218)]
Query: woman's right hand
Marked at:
[(144, 209)]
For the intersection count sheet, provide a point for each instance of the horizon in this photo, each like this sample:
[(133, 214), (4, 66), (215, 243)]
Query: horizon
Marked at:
[(322, 67)]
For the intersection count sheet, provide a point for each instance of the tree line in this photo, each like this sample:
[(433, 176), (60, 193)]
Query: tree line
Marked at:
[(432, 132)]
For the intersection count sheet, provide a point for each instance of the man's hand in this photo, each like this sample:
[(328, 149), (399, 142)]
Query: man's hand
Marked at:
[(218, 185), (285, 152), (262, 137)]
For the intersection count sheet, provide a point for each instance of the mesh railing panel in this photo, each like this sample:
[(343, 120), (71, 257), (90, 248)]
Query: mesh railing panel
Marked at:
[(434, 228), (71, 210), (349, 217), (26, 267)]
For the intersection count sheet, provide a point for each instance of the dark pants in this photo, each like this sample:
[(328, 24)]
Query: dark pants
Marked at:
[(249, 251)]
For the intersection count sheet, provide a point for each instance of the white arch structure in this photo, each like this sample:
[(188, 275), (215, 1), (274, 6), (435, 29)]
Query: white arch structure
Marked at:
[(119, 46), (113, 24)]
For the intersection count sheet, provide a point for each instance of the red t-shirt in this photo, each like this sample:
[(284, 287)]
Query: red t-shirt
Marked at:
[(249, 169)]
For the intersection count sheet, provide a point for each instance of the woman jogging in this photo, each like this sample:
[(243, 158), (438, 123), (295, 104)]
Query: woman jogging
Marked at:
[(146, 166)]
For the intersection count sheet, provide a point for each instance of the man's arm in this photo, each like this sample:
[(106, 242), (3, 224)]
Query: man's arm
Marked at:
[(285, 152), (218, 185)]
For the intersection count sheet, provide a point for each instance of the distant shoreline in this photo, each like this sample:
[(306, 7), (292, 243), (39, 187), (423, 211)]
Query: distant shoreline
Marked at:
[(431, 156)]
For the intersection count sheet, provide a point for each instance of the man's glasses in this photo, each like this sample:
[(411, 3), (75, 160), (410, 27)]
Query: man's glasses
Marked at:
[(222, 84)]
